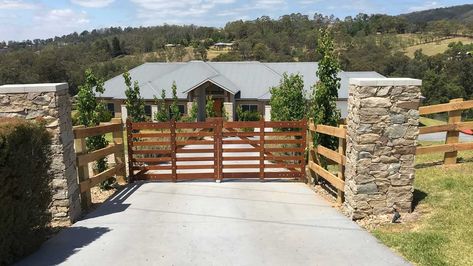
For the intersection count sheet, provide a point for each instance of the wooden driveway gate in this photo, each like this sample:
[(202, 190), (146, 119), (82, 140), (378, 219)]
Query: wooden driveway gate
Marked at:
[(216, 149)]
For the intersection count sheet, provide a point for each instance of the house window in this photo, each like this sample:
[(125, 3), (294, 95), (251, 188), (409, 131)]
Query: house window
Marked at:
[(111, 108), (148, 110), (181, 109), (249, 107)]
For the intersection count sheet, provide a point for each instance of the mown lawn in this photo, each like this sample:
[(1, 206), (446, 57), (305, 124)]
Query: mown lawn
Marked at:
[(443, 234)]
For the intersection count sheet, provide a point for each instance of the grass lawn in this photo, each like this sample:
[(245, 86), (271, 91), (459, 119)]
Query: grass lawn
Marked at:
[(443, 234), (434, 48), (430, 122)]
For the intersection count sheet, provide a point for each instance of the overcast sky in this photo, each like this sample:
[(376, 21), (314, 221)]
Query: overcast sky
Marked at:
[(26, 19)]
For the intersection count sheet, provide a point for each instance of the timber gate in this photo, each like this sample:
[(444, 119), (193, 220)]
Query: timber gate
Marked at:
[(216, 149)]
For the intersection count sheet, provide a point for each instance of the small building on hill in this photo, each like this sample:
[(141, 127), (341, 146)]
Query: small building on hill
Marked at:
[(230, 84)]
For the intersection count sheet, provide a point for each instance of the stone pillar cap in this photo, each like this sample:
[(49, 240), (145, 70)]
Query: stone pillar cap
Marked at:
[(385, 82), (41, 87)]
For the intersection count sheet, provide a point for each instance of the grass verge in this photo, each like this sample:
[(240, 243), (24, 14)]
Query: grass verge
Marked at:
[(443, 233)]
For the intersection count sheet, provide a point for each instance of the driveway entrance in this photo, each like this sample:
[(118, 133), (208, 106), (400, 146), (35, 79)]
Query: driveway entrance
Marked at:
[(206, 223)]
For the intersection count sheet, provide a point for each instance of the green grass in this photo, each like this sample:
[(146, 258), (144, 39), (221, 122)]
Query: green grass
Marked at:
[(443, 234), (430, 122), (434, 48)]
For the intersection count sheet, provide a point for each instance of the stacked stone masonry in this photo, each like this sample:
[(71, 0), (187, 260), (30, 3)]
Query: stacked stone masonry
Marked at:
[(382, 128), (52, 103)]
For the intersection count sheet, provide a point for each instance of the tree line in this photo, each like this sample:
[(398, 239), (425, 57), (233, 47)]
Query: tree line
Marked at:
[(362, 42)]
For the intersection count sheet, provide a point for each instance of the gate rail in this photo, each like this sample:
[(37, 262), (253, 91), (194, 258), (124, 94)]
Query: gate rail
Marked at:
[(160, 150)]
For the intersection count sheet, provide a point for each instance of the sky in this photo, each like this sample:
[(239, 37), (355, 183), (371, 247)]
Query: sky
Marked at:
[(27, 19)]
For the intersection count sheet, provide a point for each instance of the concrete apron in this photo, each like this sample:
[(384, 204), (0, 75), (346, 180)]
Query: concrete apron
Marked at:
[(205, 223)]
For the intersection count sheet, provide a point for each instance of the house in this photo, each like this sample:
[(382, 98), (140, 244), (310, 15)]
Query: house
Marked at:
[(223, 45), (230, 84)]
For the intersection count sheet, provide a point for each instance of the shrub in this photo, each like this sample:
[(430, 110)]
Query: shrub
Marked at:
[(247, 115), (25, 193), (288, 99)]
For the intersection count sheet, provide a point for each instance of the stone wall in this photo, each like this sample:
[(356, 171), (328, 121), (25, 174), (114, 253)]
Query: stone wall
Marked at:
[(382, 129), (52, 103)]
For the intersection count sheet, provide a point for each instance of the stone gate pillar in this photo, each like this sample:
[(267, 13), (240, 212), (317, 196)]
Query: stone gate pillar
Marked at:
[(382, 128), (50, 101)]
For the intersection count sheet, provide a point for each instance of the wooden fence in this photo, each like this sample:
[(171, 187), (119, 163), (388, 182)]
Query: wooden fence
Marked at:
[(337, 157), (85, 157), (220, 149), (452, 145)]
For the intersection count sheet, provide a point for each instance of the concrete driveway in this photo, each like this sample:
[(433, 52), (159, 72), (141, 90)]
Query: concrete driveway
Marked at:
[(206, 223)]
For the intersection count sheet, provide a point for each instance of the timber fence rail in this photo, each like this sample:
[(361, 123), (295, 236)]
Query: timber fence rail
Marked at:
[(452, 144), (84, 157), (337, 157), (220, 149)]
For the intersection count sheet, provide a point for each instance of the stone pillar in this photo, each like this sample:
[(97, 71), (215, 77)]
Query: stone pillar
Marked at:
[(154, 110), (267, 113), (382, 128), (228, 106), (52, 103)]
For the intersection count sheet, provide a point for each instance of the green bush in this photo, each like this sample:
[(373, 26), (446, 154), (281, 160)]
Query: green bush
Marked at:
[(247, 115), (25, 193)]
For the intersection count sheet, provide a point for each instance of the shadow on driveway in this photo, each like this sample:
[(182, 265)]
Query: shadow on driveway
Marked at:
[(59, 248)]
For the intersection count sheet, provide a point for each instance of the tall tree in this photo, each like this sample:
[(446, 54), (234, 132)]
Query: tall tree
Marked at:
[(325, 92), (91, 113), (174, 108), (162, 115), (288, 99), (116, 47), (209, 107), (135, 105)]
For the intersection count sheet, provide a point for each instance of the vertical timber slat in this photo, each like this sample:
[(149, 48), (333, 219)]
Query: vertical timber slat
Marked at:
[(129, 131), (173, 151), (312, 149), (119, 155), (303, 128), (341, 168), (452, 136), (218, 148), (261, 150), (83, 172)]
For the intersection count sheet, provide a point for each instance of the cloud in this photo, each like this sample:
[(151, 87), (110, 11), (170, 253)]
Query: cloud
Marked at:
[(179, 12), (16, 4), (93, 3), (425, 6)]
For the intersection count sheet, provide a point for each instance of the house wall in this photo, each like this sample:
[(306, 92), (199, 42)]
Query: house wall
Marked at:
[(119, 106)]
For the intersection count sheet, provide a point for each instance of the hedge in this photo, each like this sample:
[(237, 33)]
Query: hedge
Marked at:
[(25, 194)]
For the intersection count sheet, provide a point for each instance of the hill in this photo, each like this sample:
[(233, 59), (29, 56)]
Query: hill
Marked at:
[(461, 13)]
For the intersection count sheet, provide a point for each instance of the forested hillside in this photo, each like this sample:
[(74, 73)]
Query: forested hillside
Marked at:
[(462, 13), (364, 42)]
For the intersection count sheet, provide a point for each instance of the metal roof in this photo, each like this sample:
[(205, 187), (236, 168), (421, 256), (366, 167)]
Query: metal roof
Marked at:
[(252, 79)]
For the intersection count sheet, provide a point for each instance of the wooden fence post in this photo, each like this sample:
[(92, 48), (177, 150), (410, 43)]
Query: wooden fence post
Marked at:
[(304, 141), (83, 171), (218, 148), (173, 151), (119, 155), (261, 150), (341, 167), (312, 149), (453, 135), (129, 131)]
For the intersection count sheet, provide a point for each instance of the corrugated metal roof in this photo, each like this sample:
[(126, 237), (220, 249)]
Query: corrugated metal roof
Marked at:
[(252, 79)]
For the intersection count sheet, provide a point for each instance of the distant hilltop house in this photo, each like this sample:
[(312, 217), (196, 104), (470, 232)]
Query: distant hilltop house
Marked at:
[(223, 45), (230, 84)]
